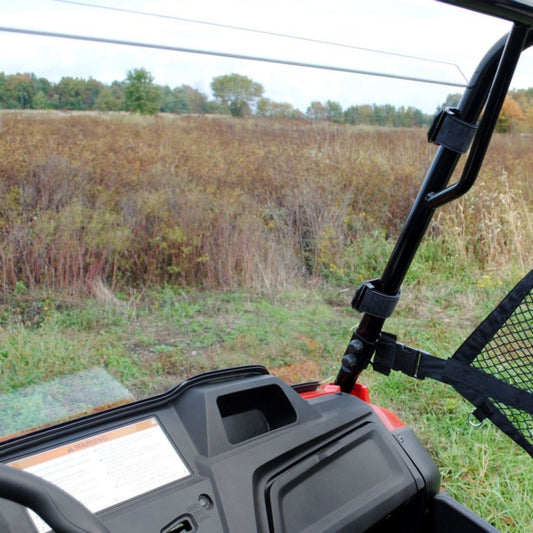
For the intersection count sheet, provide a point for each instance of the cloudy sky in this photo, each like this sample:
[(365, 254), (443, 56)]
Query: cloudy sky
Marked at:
[(414, 38)]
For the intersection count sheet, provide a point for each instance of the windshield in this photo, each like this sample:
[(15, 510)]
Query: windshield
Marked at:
[(164, 213)]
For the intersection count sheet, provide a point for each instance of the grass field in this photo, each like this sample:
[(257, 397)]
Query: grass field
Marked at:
[(162, 247), (222, 203)]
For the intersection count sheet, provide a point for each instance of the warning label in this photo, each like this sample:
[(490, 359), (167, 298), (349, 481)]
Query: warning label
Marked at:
[(109, 468)]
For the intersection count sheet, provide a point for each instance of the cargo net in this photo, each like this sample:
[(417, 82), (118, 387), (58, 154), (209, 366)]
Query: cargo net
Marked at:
[(502, 349)]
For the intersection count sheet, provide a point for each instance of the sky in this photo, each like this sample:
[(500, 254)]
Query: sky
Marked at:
[(447, 42)]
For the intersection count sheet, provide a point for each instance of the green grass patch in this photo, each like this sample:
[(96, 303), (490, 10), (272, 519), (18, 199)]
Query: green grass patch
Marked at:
[(151, 342)]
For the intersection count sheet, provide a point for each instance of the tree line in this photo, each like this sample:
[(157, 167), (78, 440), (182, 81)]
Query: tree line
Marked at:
[(27, 91), (233, 94)]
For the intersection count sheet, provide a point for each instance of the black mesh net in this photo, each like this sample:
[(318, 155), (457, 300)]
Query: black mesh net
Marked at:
[(509, 357), (502, 348)]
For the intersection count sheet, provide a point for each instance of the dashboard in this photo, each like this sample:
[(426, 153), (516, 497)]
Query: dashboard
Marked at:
[(233, 450)]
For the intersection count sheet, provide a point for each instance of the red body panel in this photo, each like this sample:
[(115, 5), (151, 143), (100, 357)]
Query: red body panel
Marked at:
[(388, 418)]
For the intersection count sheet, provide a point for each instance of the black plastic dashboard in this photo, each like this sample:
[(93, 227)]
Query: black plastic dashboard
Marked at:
[(237, 451)]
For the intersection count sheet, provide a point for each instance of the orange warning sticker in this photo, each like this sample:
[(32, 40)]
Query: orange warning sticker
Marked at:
[(110, 467)]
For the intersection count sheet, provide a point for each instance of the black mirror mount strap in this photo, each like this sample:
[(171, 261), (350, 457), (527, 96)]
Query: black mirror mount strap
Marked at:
[(369, 299), (452, 132)]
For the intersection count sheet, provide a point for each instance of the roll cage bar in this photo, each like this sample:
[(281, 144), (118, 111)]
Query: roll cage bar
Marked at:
[(454, 129)]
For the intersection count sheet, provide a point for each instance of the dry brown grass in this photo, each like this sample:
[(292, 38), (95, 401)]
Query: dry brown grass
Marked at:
[(220, 202), (494, 223)]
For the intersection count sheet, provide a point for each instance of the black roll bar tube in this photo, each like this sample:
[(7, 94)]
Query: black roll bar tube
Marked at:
[(498, 92), (487, 89)]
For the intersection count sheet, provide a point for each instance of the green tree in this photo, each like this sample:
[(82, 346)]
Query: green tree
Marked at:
[(183, 99), (334, 112), (353, 115), (140, 93), (237, 93), (360, 114), (214, 107), (69, 93), (43, 85), (269, 109), (91, 92), (40, 101), (384, 114), (418, 117), (316, 111), (190, 100), (111, 98), (167, 100), (17, 91), (25, 90), (3, 91)]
